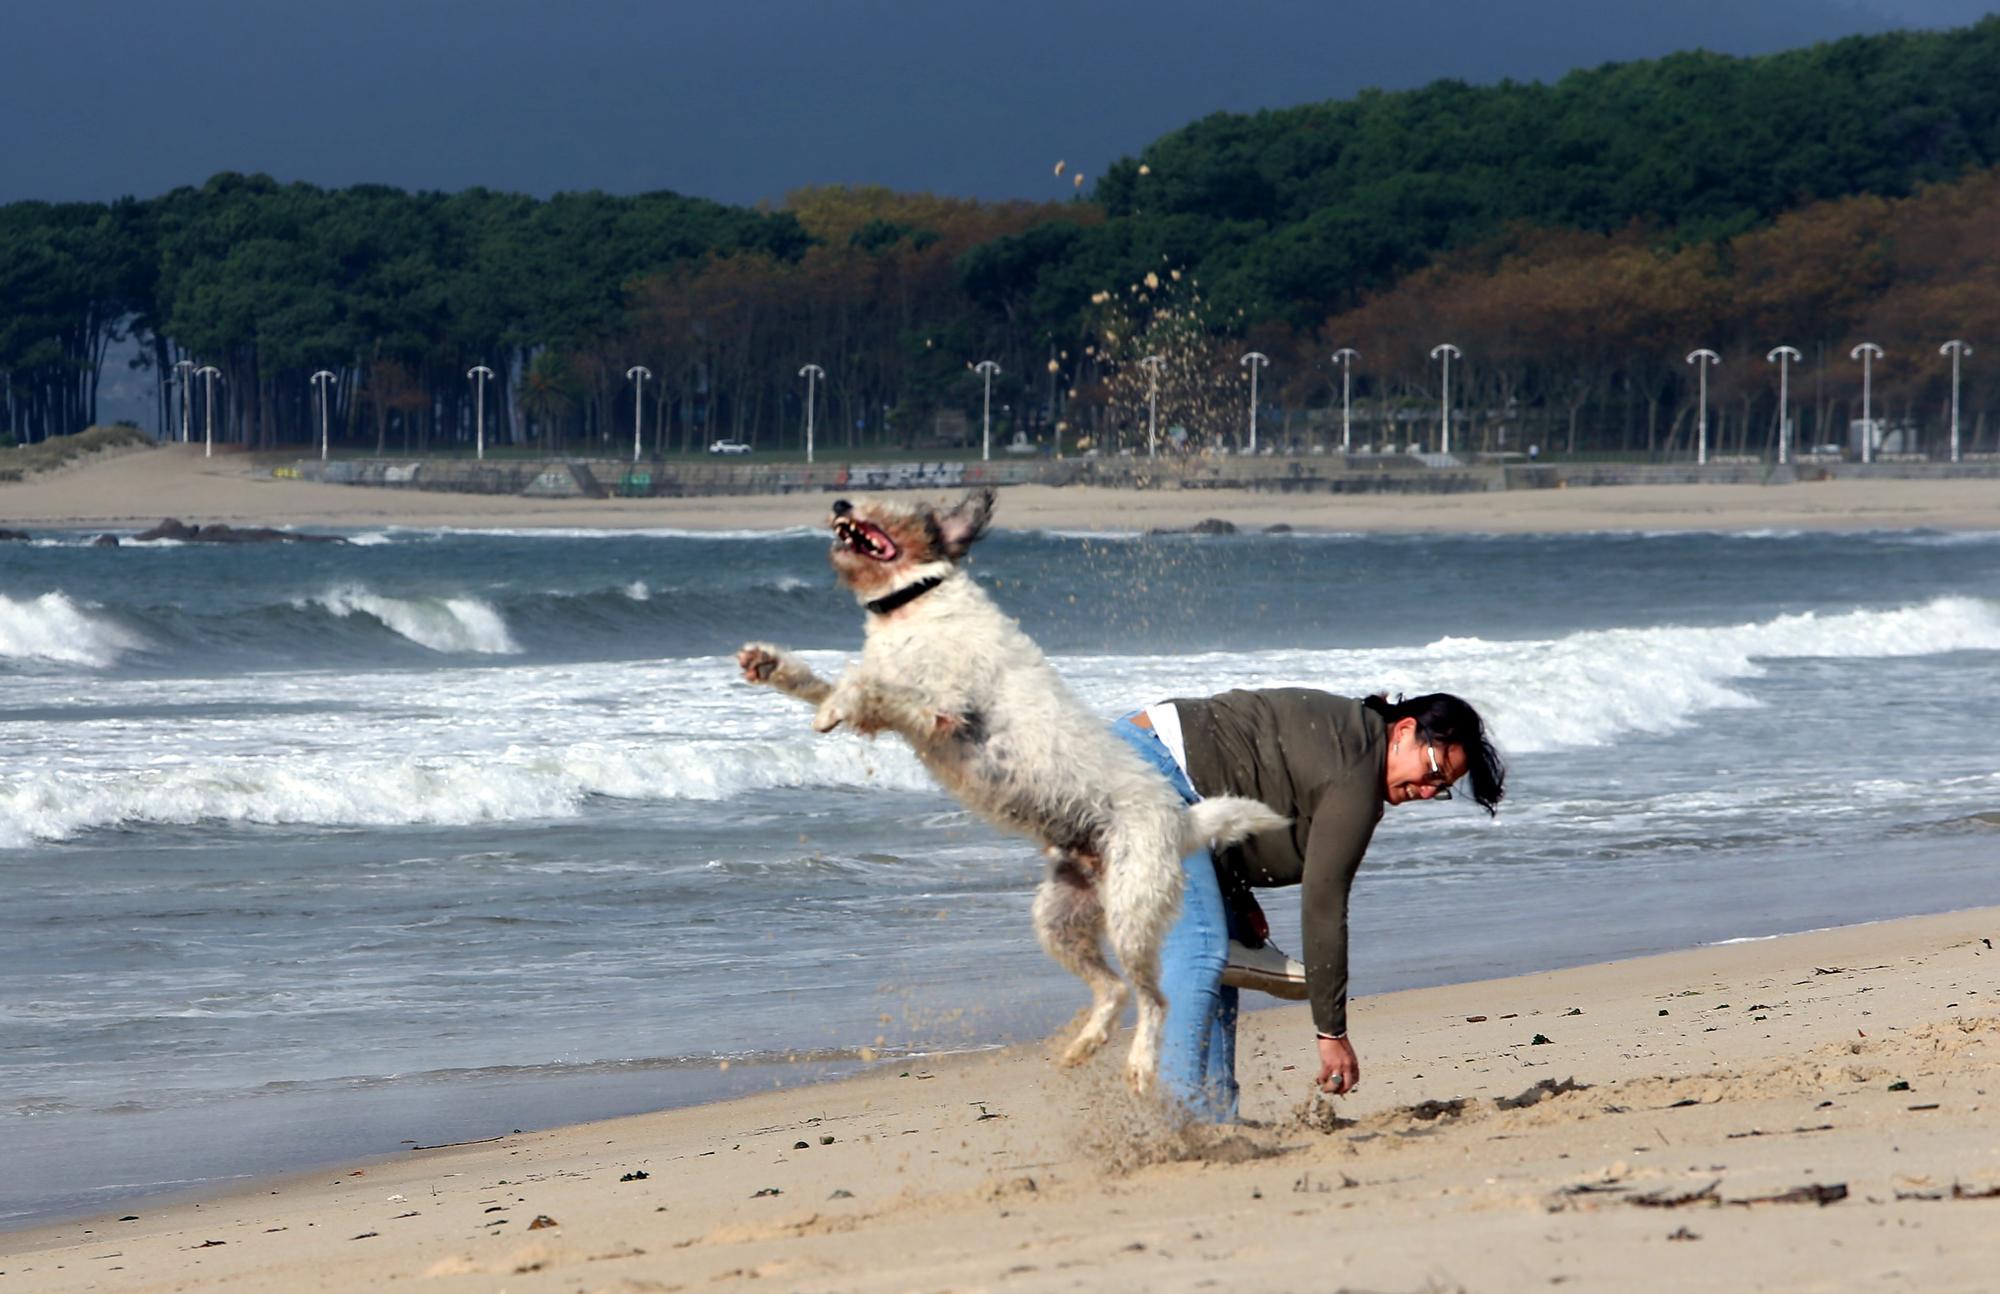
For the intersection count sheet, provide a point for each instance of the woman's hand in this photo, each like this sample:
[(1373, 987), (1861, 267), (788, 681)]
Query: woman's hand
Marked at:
[(1339, 1069)]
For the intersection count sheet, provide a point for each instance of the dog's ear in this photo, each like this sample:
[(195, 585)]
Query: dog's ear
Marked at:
[(960, 528)]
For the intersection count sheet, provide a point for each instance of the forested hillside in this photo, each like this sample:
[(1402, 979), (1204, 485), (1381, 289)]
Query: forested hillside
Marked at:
[(1575, 240)]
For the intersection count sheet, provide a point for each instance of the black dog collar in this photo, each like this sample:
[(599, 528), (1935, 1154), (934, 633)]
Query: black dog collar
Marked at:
[(904, 596)]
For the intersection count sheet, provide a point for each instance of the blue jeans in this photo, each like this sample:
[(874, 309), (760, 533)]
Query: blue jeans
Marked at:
[(1198, 1042)]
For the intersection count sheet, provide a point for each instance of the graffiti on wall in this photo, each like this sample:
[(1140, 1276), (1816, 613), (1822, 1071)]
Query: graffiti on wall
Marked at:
[(903, 476)]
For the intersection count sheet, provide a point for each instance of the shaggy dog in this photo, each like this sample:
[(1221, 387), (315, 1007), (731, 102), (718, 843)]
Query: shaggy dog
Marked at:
[(943, 667)]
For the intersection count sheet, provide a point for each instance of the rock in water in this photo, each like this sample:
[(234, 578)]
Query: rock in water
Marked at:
[(168, 529), (220, 533)]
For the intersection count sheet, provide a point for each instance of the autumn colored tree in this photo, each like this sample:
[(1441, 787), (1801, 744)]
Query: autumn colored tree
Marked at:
[(1574, 239)]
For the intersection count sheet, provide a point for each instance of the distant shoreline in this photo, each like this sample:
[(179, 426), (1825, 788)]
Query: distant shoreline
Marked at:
[(135, 490)]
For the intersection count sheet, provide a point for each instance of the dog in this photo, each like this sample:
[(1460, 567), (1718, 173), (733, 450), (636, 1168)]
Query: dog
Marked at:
[(943, 667)]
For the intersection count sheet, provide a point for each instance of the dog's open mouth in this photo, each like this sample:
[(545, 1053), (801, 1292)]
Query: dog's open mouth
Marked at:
[(864, 537)]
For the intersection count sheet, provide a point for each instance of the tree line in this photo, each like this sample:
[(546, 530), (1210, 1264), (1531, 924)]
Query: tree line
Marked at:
[(1574, 239), (1557, 324)]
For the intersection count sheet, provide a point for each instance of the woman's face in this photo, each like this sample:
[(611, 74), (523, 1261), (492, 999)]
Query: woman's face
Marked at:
[(1417, 769)]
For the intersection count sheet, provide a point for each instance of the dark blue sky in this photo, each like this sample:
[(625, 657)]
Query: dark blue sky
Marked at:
[(745, 100)]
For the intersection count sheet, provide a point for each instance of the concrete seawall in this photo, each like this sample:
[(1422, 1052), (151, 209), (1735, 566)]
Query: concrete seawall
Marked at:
[(1387, 474)]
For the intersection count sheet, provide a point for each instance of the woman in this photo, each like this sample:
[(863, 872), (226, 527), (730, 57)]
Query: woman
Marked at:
[(1332, 764)]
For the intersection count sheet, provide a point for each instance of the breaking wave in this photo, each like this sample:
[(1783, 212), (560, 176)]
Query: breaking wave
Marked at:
[(53, 628), (1583, 689), (517, 784), (441, 624), (1586, 689)]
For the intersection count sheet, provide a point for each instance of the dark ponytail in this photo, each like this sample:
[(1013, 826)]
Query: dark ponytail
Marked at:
[(1451, 721)]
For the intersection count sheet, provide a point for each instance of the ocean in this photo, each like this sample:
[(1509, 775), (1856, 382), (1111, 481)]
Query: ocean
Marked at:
[(318, 852)]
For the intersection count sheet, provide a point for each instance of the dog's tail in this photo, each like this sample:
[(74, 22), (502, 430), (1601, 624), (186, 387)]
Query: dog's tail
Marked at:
[(1224, 820)]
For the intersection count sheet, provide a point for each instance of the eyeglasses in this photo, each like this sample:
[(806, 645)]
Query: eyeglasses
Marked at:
[(1439, 779)]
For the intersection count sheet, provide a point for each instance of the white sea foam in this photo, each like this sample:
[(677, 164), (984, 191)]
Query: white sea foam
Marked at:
[(1938, 538), (1584, 689), (54, 628), (636, 532), (1587, 689), (543, 740), (441, 624), (519, 783), (638, 592)]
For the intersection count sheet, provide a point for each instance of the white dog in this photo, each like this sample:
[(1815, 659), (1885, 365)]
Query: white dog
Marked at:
[(945, 668)]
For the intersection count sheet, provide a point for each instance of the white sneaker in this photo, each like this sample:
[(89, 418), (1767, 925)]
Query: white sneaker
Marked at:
[(1266, 970)]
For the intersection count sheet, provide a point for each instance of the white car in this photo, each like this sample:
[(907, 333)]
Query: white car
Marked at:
[(727, 447)]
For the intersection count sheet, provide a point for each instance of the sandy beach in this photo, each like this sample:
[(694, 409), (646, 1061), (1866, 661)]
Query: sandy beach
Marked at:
[(139, 488), (1812, 1112)]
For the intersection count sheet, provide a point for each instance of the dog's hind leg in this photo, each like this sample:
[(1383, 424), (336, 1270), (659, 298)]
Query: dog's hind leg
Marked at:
[(1070, 924), (1142, 896)]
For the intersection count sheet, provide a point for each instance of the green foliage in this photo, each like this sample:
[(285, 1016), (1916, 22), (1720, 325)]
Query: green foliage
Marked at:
[(879, 234), (20, 462), (1287, 218), (1330, 200)]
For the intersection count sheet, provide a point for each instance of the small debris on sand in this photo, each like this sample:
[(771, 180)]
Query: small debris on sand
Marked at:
[(1540, 1092), (1820, 1193)]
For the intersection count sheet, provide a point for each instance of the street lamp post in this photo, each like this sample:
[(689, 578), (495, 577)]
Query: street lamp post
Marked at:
[(1447, 352), (479, 375), (986, 368), (321, 380), (1345, 357), (1702, 360), (1867, 352), (1254, 361), (211, 372), (1054, 422), (1957, 350), (638, 373), (186, 368), (812, 373), (1153, 364), (1784, 357)]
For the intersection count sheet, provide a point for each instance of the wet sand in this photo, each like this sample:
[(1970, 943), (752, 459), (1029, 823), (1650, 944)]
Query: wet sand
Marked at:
[(1815, 1112)]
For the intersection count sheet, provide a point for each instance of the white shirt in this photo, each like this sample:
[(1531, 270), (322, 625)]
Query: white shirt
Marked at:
[(1166, 723)]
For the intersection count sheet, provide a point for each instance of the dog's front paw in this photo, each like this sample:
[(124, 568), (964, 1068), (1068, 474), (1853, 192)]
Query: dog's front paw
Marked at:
[(759, 661), (830, 715)]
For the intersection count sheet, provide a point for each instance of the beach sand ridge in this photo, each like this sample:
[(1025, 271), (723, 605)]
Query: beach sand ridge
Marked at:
[(135, 490)]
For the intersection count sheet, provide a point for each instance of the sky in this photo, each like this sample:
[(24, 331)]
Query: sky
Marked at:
[(745, 100)]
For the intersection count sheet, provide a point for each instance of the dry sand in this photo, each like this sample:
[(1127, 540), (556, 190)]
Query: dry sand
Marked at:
[(1723, 1093), (137, 489)]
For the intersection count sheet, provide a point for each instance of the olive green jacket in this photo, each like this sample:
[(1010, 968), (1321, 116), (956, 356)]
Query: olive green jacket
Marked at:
[(1317, 758)]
